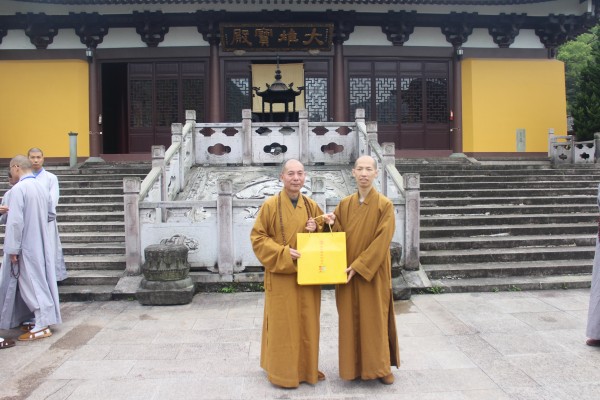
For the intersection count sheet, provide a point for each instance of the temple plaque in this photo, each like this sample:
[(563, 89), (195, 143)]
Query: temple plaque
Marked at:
[(276, 37)]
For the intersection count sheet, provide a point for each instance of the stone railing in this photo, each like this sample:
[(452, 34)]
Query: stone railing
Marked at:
[(563, 149), (218, 229)]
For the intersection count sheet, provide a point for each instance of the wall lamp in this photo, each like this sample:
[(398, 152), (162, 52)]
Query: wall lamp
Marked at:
[(89, 54)]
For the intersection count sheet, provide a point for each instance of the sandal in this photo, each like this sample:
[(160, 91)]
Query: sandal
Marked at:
[(42, 333), (27, 326), (6, 343)]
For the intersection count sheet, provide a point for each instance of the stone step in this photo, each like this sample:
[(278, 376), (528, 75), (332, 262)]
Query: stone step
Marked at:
[(502, 269), (98, 228), (511, 283), (89, 237), (89, 207), (432, 201), (427, 187), (499, 209), (99, 191), (98, 263), (91, 248), (101, 183), (85, 292), (94, 277), (519, 192), (91, 216), (91, 198), (112, 226), (507, 241), (507, 219), (503, 230), (502, 178), (505, 255)]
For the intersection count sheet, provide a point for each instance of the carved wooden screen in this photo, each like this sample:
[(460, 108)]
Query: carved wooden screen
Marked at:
[(409, 100), (159, 94), (237, 89)]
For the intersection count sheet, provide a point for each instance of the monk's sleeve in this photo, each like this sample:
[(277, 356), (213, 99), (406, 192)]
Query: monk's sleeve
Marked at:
[(15, 224), (275, 257), (373, 257)]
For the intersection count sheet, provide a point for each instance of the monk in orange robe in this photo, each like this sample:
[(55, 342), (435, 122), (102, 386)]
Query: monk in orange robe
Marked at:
[(290, 335), (368, 343)]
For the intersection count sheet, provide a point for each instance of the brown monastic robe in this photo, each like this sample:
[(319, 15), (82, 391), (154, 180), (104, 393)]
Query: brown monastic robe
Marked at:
[(368, 343), (290, 336)]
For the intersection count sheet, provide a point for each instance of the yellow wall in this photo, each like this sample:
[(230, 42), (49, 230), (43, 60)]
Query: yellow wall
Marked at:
[(501, 96), (40, 102)]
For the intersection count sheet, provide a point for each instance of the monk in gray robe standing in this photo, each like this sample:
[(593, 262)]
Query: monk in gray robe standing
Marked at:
[(593, 325), (5, 343), (50, 181), (28, 255)]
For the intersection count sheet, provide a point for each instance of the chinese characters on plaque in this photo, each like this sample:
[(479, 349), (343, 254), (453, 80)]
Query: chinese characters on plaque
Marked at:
[(276, 37)]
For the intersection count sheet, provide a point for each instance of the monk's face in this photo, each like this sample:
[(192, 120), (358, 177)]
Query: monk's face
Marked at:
[(364, 172), (37, 160), (293, 178)]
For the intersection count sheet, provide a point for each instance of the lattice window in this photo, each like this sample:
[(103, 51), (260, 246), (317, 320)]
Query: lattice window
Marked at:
[(316, 99), (193, 96), (166, 102), (360, 96), (411, 108), (385, 97), (437, 100), (237, 98), (140, 114)]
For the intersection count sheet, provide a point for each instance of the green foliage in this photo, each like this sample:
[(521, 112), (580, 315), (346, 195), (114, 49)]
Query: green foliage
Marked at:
[(435, 290), (582, 71), (576, 54), (514, 288), (227, 289)]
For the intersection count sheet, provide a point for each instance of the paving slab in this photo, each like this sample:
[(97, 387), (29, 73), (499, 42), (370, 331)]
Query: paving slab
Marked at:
[(464, 346)]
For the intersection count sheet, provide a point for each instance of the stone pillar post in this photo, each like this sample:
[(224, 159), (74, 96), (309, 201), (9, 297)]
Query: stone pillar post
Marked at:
[(246, 137), (596, 147), (177, 137), (190, 117), (72, 149), (389, 153), (317, 186), (413, 209), (226, 255), (158, 160), (133, 255), (550, 142), (371, 135), (303, 136)]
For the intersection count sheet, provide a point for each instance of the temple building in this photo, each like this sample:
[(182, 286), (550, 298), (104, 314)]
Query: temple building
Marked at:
[(440, 77)]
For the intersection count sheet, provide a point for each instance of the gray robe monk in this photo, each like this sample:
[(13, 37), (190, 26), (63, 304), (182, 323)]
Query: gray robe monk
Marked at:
[(50, 181), (26, 234), (593, 325)]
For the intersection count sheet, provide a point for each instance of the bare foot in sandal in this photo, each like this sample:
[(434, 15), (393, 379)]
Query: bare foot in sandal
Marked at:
[(34, 335)]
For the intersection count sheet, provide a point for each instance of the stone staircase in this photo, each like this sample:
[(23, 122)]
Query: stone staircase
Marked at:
[(506, 225), (90, 220)]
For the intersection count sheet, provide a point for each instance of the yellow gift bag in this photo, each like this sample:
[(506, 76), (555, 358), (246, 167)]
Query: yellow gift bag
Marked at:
[(322, 258)]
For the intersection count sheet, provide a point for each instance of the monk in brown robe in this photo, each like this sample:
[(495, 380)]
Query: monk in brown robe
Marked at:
[(290, 336), (368, 343)]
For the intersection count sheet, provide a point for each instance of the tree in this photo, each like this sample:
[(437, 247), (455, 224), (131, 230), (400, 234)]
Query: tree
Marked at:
[(586, 105), (576, 54)]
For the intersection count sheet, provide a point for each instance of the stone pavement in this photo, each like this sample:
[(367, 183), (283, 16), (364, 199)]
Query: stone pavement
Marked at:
[(504, 345)]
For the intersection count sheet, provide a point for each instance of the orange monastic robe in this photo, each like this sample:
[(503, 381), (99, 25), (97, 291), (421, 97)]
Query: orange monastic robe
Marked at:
[(290, 336), (368, 344)]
